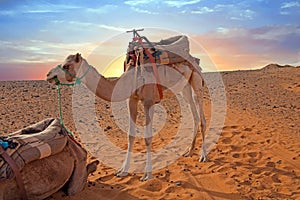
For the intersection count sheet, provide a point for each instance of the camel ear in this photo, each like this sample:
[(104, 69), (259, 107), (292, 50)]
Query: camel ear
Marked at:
[(78, 57)]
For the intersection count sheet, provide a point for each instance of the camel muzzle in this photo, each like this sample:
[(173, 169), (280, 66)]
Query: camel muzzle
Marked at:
[(53, 80)]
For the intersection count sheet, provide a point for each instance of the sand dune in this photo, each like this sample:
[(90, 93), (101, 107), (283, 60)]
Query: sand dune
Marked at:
[(256, 157)]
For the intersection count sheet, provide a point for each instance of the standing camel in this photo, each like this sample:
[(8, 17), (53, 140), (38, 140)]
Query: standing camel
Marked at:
[(183, 76)]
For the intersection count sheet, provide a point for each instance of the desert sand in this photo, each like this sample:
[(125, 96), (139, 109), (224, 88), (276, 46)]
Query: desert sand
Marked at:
[(256, 157)]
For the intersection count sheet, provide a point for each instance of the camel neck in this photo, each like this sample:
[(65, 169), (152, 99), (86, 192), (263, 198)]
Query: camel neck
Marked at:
[(113, 90)]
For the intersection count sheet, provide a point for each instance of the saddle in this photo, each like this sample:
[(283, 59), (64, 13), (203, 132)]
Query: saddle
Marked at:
[(34, 142), (165, 52)]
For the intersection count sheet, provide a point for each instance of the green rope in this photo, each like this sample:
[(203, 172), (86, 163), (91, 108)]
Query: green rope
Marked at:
[(61, 121), (58, 87)]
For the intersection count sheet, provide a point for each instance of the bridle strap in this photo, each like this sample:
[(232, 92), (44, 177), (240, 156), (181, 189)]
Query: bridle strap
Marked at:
[(77, 80), (16, 171)]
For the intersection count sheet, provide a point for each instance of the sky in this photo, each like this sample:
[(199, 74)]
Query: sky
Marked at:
[(226, 35)]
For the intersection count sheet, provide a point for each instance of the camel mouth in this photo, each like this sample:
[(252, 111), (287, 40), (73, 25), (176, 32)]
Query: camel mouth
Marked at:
[(52, 80)]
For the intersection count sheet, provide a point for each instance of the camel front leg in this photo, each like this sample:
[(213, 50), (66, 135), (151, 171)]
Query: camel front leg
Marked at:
[(123, 171), (198, 85), (148, 107)]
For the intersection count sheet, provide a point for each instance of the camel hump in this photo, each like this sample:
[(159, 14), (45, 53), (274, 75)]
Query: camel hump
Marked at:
[(34, 142)]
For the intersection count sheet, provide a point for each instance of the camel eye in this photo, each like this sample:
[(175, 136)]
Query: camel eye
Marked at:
[(66, 67)]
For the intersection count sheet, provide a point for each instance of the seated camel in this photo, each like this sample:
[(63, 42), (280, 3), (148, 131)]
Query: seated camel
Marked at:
[(47, 160)]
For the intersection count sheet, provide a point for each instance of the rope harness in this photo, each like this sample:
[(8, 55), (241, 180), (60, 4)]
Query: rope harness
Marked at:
[(58, 87), (137, 37), (153, 63)]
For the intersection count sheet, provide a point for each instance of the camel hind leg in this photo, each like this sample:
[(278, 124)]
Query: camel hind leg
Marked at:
[(187, 94)]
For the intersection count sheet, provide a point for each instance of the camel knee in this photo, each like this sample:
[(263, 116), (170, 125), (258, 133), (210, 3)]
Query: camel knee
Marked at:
[(148, 141)]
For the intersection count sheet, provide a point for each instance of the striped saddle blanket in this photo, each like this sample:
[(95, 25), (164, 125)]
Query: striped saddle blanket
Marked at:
[(34, 142)]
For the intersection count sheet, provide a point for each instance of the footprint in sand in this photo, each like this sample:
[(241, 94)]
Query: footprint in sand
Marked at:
[(236, 132), (226, 134), (254, 157), (236, 155), (248, 129), (251, 143), (252, 154), (226, 140), (226, 128), (235, 148)]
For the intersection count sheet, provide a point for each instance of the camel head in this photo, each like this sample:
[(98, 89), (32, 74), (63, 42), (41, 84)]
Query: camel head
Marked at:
[(67, 71)]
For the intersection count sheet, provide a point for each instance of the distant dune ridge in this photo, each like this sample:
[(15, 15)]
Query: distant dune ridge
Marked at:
[(276, 66), (257, 155)]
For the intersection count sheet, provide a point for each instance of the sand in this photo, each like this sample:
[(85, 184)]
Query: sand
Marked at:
[(256, 157)]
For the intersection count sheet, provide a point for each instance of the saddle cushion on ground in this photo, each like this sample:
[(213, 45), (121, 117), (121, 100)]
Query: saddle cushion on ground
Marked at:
[(37, 141)]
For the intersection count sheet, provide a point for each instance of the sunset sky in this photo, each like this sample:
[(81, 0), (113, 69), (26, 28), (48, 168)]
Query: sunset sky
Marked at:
[(235, 35)]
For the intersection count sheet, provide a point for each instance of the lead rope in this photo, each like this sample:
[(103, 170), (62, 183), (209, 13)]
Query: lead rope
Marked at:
[(58, 87), (61, 121)]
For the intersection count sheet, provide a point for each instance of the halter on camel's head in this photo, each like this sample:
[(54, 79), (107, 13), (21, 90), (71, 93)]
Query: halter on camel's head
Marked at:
[(68, 72)]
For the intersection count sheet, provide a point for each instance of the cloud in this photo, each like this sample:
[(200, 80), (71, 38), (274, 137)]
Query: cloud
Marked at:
[(139, 2), (46, 8), (38, 9), (144, 11), (49, 8), (275, 32), (288, 8), (227, 11), (223, 30), (241, 48), (170, 3), (202, 10), (102, 9), (290, 4), (38, 51), (179, 4), (244, 14), (82, 24), (113, 28)]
